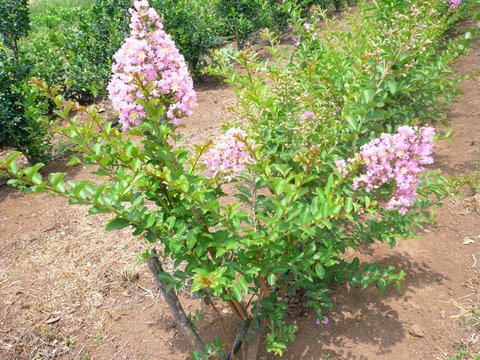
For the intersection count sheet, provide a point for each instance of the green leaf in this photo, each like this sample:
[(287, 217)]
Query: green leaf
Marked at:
[(191, 239), (319, 270), (352, 122), (12, 157), (117, 224), (392, 86), (355, 263), (97, 210), (37, 179), (382, 285), (32, 172), (220, 251), (242, 283), (237, 293), (348, 206), (368, 95), (55, 179), (271, 279)]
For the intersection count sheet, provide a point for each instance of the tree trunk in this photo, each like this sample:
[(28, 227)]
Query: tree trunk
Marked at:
[(175, 306)]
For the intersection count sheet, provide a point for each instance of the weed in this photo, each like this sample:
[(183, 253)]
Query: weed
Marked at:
[(129, 276)]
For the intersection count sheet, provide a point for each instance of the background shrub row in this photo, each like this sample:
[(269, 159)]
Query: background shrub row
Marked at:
[(71, 43), (74, 45)]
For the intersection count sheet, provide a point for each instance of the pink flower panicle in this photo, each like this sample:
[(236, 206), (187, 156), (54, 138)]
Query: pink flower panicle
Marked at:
[(149, 56), (399, 158), (229, 156), (453, 4)]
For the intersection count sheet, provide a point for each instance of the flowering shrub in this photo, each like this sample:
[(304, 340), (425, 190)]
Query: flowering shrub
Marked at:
[(285, 222)]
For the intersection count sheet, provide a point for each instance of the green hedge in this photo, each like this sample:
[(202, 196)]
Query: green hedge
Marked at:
[(73, 45)]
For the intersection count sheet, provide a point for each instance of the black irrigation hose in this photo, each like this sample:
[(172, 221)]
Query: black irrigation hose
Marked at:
[(244, 330), (238, 340), (3, 183)]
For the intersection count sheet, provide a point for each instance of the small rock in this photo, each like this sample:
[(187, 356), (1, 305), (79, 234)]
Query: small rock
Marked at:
[(416, 331), (473, 338), (295, 328), (227, 311), (414, 305), (468, 241)]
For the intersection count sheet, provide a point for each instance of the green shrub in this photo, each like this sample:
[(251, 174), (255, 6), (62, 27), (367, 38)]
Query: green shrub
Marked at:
[(23, 125), (63, 50), (245, 17), (22, 122), (14, 22), (194, 26), (388, 65)]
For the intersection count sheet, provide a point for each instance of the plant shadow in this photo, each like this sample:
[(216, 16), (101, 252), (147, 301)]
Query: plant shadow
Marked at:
[(361, 318)]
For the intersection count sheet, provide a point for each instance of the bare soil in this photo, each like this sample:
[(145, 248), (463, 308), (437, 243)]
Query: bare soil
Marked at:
[(68, 290)]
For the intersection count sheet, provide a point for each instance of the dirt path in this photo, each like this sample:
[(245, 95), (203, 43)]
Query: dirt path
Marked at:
[(71, 291)]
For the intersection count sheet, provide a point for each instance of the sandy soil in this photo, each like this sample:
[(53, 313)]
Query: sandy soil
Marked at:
[(69, 290)]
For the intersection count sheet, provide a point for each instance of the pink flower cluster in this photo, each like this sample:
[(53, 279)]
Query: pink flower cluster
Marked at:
[(296, 38), (325, 321), (149, 56), (454, 3), (400, 158), (229, 155), (307, 115)]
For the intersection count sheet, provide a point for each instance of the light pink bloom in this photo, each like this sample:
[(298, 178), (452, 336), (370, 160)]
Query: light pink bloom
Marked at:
[(149, 57), (229, 156), (397, 158), (296, 40), (308, 115), (453, 4)]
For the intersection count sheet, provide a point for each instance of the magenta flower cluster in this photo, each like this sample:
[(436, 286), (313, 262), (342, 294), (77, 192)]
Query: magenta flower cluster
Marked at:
[(455, 3), (149, 57), (229, 155), (398, 158)]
